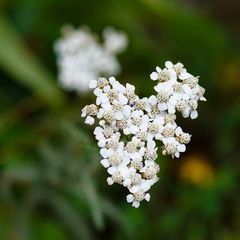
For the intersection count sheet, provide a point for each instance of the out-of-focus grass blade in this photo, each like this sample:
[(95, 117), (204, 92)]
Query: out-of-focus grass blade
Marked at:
[(93, 201), (47, 227), (18, 62), (69, 216), (167, 8), (21, 225), (18, 112), (78, 134), (20, 174), (116, 215), (189, 25), (193, 22)]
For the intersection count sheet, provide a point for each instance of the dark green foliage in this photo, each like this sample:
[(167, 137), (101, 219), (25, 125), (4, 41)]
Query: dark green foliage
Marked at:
[(51, 183)]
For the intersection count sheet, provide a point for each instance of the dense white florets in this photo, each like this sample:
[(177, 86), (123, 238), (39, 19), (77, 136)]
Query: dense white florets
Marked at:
[(81, 57), (128, 127), (177, 90)]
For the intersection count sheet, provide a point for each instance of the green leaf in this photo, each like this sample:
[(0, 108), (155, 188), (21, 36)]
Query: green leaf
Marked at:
[(188, 26), (23, 66), (78, 134), (72, 219), (93, 201), (47, 227), (20, 173), (117, 216)]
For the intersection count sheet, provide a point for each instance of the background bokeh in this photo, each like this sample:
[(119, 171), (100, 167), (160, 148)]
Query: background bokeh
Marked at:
[(51, 183)]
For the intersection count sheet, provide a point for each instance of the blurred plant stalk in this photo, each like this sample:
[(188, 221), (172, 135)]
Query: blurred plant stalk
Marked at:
[(17, 61)]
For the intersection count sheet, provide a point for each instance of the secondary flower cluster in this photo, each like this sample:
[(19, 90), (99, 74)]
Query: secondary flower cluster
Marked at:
[(81, 57), (129, 126)]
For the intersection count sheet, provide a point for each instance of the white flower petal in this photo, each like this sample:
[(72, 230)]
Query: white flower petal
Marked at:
[(194, 115), (127, 182), (102, 143), (171, 109), (92, 84), (110, 181), (154, 76), (147, 197), (105, 163), (112, 80), (186, 112), (181, 148), (136, 204), (130, 198), (152, 100), (184, 75), (111, 170), (133, 129), (119, 115), (158, 69), (127, 110), (168, 64), (162, 106), (178, 131), (89, 120), (158, 88)]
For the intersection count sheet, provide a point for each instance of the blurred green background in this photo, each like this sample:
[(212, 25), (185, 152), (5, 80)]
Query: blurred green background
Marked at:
[(51, 183)]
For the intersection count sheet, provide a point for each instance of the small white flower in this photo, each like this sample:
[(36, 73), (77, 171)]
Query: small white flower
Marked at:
[(130, 198), (152, 100), (115, 42), (147, 197), (105, 163), (81, 58), (127, 111), (136, 204), (110, 181), (89, 120), (92, 84), (194, 114), (168, 64), (154, 76)]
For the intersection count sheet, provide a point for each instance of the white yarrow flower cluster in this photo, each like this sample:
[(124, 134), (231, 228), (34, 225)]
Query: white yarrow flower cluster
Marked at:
[(129, 126), (177, 90), (81, 57)]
